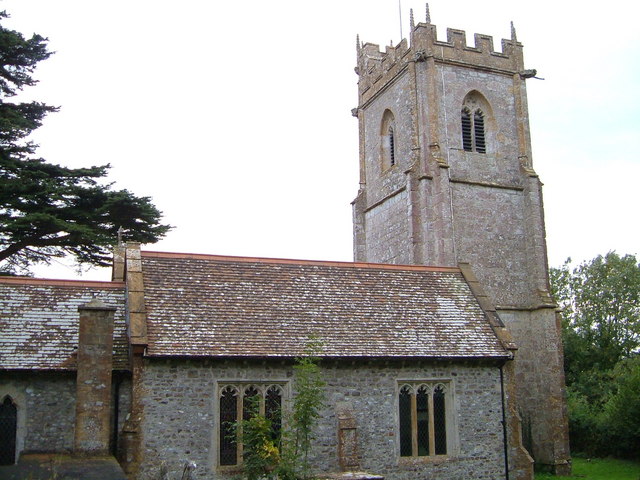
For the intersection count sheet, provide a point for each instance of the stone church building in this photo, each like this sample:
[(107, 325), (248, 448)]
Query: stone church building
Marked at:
[(441, 350)]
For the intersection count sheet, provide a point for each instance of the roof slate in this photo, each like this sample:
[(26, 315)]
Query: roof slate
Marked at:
[(39, 322), (199, 305)]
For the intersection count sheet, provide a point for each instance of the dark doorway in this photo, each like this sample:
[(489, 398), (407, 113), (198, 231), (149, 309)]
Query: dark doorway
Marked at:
[(8, 427)]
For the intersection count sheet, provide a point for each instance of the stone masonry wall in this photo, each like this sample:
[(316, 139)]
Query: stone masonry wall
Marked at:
[(500, 163), (387, 226), (386, 223), (180, 415), (396, 99), (491, 236), (540, 388), (46, 408)]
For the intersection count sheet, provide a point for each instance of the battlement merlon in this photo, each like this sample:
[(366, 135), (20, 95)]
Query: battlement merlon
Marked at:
[(376, 68)]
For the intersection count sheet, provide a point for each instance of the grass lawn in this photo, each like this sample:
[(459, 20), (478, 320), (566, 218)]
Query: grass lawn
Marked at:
[(600, 469)]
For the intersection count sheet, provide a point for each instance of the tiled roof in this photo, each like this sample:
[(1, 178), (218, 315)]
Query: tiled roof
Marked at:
[(199, 305), (39, 321)]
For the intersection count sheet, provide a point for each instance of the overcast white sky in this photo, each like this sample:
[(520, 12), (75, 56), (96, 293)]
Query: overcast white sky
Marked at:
[(235, 116)]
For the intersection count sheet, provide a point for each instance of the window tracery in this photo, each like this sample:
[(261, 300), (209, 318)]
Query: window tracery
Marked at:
[(423, 419), (241, 401), (473, 123)]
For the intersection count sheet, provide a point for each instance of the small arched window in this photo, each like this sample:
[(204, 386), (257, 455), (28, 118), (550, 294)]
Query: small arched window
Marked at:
[(8, 431), (388, 141), (473, 123), (392, 147)]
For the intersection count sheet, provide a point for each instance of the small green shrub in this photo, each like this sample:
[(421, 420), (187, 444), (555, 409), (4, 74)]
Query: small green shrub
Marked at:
[(284, 455)]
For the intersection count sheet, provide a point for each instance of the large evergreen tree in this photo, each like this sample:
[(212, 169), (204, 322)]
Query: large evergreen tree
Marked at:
[(49, 211)]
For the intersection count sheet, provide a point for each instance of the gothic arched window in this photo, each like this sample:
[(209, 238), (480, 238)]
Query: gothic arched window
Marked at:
[(467, 136), (423, 419), (8, 431), (478, 131), (473, 123), (392, 147), (240, 401), (388, 141)]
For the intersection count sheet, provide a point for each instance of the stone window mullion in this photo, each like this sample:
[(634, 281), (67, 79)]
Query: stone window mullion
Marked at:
[(414, 424), (432, 433)]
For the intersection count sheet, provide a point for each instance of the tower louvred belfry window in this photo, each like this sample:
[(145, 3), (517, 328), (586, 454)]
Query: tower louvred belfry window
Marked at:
[(478, 131), (467, 137), (392, 148), (473, 131)]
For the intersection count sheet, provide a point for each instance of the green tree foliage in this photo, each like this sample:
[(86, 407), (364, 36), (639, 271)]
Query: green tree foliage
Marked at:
[(260, 453), (600, 303), (49, 211), (285, 456), (308, 402), (621, 413)]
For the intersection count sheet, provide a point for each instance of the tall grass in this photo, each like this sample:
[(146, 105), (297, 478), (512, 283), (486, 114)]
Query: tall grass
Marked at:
[(600, 469)]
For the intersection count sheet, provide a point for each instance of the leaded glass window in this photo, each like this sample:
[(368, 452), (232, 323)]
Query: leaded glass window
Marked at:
[(405, 415), (242, 401), (228, 415), (423, 419)]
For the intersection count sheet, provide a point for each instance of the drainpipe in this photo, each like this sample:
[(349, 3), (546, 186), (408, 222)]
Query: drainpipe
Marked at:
[(504, 427)]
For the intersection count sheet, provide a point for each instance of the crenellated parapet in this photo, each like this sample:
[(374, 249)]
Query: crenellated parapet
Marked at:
[(376, 69)]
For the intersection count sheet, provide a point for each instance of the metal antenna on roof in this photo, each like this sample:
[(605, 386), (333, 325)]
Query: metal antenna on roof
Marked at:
[(400, 15)]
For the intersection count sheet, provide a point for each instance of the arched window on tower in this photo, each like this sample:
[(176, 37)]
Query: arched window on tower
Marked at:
[(392, 147), (467, 137), (473, 124), (478, 131), (388, 141)]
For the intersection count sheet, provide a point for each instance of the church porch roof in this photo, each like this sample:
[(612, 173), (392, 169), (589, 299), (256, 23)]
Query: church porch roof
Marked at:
[(39, 322)]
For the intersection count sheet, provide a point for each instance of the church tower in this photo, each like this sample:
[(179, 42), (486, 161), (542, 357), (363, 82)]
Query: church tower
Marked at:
[(446, 177)]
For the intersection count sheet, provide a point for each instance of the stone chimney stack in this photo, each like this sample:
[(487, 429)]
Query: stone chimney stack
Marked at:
[(95, 364)]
